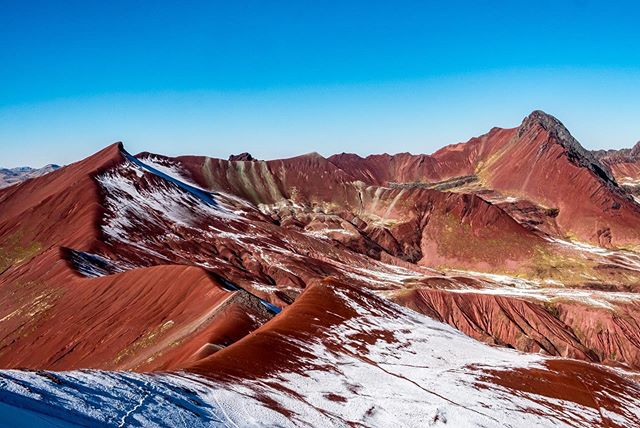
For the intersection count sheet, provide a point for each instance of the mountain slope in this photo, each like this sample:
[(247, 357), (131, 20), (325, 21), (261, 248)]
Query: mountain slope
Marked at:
[(310, 193)]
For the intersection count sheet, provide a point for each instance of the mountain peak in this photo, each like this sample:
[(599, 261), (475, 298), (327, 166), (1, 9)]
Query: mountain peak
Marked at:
[(244, 156), (556, 130), (547, 122), (539, 115), (312, 155)]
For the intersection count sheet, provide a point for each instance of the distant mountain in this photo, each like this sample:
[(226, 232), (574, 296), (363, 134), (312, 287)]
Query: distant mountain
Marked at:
[(613, 156), (10, 176), (625, 165)]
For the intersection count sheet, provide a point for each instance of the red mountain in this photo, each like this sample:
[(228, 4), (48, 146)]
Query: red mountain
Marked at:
[(265, 280), (538, 161)]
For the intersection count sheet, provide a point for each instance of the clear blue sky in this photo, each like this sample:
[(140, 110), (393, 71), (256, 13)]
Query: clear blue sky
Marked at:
[(280, 78)]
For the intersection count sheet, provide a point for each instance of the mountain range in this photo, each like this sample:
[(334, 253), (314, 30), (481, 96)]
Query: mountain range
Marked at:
[(9, 176), (495, 282)]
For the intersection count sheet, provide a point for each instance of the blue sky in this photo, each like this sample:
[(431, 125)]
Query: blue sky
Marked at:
[(283, 78)]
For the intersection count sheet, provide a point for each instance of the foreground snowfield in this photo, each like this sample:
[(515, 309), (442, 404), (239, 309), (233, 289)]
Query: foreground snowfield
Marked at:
[(366, 363), (99, 398)]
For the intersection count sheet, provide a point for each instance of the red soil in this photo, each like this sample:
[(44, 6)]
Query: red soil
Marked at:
[(406, 222), (500, 320), (582, 383), (61, 208), (120, 321), (53, 318)]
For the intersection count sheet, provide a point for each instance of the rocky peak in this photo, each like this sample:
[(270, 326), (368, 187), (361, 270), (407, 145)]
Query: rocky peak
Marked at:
[(561, 135), (242, 157)]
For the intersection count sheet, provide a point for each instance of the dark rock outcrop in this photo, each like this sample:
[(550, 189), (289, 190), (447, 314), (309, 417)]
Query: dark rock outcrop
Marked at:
[(245, 156), (575, 152)]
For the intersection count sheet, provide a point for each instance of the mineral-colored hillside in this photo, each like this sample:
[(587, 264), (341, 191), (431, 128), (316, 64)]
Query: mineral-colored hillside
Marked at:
[(317, 290)]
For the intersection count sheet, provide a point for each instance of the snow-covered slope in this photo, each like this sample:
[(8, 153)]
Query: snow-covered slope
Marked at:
[(336, 357)]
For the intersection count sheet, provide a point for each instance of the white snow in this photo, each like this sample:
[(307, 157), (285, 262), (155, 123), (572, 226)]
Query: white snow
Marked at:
[(629, 181), (580, 246), (624, 258), (130, 203), (546, 290), (323, 233), (512, 281), (380, 274), (417, 373), (603, 299), (499, 199), (170, 168)]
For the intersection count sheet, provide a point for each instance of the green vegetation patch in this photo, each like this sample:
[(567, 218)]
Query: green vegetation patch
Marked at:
[(27, 307), (458, 240), (14, 251), (144, 341)]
